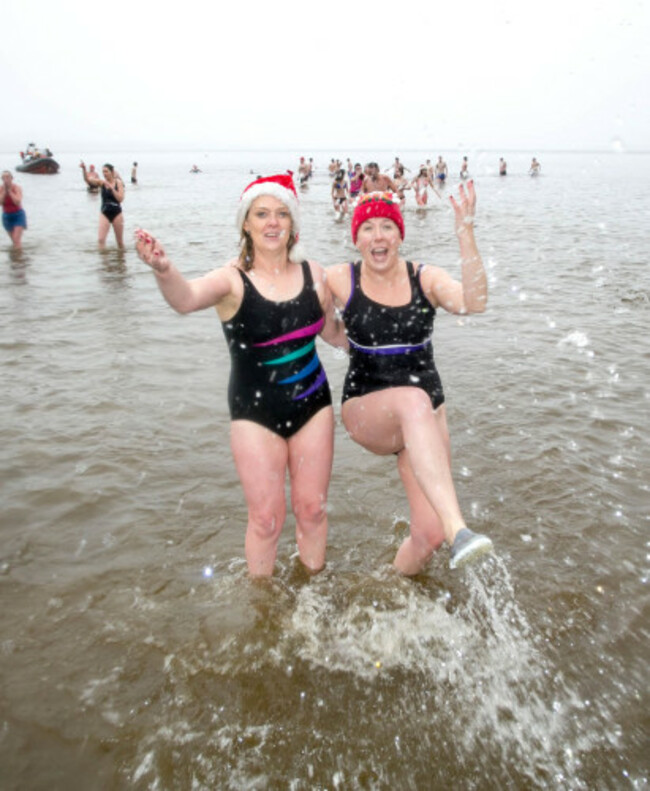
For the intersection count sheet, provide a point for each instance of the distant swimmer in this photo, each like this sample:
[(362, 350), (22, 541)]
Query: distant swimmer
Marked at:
[(91, 177), (194, 169), (112, 189), (134, 173), (340, 193), (304, 171), (503, 167), (441, 171), (535, 168), (376, 181), (464, 169), (401, 184), (356, 180), (394, 168), (14, 219), (421, 184)]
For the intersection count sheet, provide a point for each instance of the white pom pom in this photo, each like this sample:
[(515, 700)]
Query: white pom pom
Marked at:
[(297, 253)]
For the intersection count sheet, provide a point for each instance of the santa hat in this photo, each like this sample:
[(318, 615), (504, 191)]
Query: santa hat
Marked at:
[(376, 204), (282, 188)]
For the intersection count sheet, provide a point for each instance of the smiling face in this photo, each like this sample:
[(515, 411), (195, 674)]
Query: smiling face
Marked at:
[(378, 241), (268, 223)]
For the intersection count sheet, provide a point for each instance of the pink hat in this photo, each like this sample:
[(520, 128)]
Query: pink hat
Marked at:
[(376, 204), (282, 188)]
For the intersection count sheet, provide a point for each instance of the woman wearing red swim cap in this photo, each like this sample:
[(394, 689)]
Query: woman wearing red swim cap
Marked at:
[(393, 402)]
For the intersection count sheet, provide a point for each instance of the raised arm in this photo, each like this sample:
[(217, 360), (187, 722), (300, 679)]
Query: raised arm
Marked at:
[(185, 296), (90, 181), (470, 294)]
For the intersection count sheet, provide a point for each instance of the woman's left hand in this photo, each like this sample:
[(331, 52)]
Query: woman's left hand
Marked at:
[(464, 207)]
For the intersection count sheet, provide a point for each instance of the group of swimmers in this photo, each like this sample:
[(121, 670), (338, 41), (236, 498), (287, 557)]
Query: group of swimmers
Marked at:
[(349, 182), (273, 302)]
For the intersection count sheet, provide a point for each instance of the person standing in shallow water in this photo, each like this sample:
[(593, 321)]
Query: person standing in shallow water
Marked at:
[(112, 189), (14, 219), (272, 304), (393, 401)]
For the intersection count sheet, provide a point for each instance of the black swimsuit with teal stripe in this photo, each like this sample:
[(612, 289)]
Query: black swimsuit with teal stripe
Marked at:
[(276, 378), (390, 346)]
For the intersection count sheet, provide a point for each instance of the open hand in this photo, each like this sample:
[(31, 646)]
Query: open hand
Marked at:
[(151, 251), (464, 207)]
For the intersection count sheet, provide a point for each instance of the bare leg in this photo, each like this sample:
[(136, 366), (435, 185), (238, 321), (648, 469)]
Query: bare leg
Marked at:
[(310, 467), (17, 236), (118, 230), (104, 227), (390, 420), (261, 460), (426, 533)]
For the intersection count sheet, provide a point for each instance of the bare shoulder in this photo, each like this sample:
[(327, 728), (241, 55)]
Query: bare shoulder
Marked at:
[(317, 271), (338, 279), (438, 285)]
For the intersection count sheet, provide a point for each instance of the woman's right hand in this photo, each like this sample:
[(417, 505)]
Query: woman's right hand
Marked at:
[(151, 251)]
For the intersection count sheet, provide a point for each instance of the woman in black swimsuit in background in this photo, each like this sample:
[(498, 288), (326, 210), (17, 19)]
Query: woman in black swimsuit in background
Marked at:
[(112, 189)]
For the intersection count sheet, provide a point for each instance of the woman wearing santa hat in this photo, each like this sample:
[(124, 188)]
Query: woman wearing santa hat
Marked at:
[(272, 304), (393, 401)]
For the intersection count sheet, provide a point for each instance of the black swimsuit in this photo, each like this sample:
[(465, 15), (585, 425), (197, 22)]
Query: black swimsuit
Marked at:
[(390, 346), (276, 378), (110, 205)]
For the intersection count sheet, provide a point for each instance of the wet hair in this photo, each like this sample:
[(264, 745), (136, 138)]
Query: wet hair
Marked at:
[(110, 167)]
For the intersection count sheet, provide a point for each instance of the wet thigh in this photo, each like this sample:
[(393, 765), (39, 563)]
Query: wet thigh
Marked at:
[(261, 461), (310, 457)]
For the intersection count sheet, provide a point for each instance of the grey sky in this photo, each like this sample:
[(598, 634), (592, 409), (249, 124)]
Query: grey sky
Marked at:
[(339, 76)]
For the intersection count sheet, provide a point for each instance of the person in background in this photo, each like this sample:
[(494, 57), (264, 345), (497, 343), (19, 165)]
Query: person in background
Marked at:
[(393, 400), (110, 215), (304, 171), (503, 167), (421, 184), (401, 185), (356, 181), (464, 170), (340, 193), (441, 171), (535, 168), (376, 181), (134, 173), (14, 219), (272, 303), (91, 177)]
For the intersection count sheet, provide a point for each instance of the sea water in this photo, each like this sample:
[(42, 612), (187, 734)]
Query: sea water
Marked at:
[(135, 651)]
